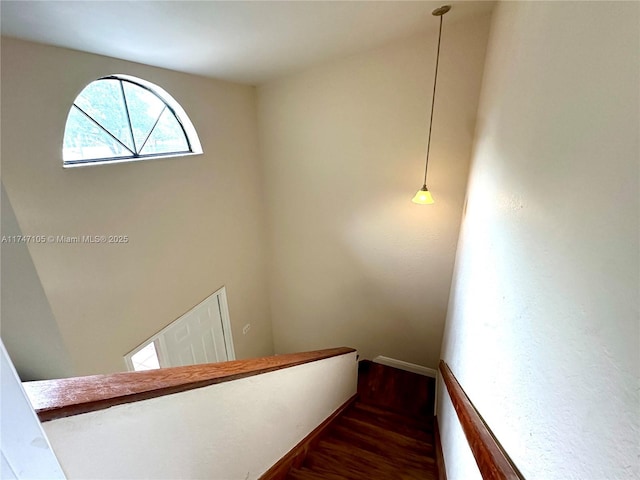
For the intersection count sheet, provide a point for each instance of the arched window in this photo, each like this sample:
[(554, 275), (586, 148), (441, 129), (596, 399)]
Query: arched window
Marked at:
[(121, 118)]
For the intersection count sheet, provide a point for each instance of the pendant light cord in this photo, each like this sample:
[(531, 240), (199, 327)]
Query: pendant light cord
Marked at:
[(433, 100)]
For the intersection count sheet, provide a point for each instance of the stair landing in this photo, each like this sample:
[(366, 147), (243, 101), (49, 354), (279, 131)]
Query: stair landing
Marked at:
[(386, 434)]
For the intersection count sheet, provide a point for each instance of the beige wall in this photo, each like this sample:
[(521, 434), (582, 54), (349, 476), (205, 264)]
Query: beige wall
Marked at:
[(27, 324), (194, 223), (353, 261), (543, 324)]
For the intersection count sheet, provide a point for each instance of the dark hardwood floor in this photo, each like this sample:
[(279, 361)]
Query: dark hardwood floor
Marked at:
[(396, 390), (386, 434)]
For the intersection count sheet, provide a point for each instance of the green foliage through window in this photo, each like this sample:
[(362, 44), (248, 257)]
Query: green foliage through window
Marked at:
[(116, 118)]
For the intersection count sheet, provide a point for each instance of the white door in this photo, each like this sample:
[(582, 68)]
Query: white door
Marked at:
[(202, 335), (196, 337)]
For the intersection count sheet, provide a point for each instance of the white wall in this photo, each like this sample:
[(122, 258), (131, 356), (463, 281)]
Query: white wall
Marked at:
[(352, 260), (25, 451), (543, 324), (231, 431), (194, 223)]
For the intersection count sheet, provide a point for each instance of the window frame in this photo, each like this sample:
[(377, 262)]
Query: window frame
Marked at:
[(175, 109)]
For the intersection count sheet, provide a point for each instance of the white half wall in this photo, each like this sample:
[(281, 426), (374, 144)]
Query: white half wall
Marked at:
[(25, 451), (230, 431), (543, 328)]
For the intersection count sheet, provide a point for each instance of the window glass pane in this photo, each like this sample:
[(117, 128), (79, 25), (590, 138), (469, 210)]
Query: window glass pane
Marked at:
[(125, 118), (167, 136), (103, 101), (83, 139), (146, 358), (144, 109)]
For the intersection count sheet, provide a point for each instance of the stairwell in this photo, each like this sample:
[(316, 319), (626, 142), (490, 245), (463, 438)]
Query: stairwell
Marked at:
[(388, 433)]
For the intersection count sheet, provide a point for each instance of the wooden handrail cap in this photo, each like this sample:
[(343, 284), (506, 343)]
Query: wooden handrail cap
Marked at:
[(63, 397)]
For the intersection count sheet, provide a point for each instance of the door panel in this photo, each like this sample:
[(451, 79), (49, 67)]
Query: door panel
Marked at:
[(202, 335), (197, 336)]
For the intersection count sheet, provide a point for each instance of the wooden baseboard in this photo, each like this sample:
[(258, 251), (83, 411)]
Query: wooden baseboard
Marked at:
[(295, 456), (409, 367), (442, 470)]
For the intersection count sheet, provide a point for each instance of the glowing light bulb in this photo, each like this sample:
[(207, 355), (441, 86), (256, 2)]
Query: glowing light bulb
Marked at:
[(423, 197)]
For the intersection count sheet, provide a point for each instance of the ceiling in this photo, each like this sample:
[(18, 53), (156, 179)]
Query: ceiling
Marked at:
[(242, 41)]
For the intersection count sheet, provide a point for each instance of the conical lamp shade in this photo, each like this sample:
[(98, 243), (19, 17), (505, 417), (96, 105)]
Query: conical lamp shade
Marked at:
[(423, 197)]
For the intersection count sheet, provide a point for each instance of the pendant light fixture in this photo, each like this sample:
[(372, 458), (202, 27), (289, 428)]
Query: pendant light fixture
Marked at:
[(423, 196)]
